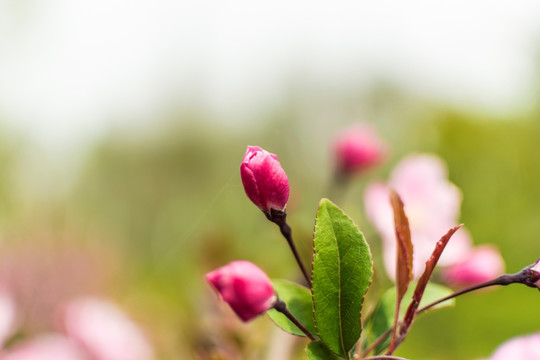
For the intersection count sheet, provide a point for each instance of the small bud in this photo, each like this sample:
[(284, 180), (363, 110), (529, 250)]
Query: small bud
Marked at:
[(535, 272), (479, 265), (357, 148), (265, 181), (245, 287)]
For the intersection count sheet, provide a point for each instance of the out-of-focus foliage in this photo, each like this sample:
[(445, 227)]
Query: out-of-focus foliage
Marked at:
[(9, 157)]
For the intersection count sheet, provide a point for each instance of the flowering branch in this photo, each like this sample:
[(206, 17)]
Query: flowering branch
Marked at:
[(529, 276), (267, 186), (342, 263)]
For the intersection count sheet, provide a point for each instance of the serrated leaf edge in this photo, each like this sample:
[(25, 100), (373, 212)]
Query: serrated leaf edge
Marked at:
[(323, 200)]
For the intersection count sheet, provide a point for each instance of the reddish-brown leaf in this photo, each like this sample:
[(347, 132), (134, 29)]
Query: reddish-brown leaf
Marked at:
[(404, 246), (424, 279), (404, 256)]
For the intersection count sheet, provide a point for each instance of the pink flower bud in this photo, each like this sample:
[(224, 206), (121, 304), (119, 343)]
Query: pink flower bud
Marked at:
[(357, 148), (105, 331), (519, 348), (479, 265), (245, 287), (265, 181)]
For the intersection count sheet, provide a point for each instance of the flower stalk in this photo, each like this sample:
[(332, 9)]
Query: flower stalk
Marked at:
[(282, 308), (280, 219), (527, 277)]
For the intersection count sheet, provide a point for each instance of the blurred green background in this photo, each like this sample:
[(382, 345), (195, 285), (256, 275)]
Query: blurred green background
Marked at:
[(123, 124), (162, 208)]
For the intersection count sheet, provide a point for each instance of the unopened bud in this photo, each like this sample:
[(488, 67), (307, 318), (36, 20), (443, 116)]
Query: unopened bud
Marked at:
[(265, 181), (245, 287), (357, 148), (479, 265)]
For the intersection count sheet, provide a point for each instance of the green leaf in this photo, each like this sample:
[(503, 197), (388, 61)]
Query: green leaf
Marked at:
[(298, 300), (382, 317), (317, 351), (342, 271)]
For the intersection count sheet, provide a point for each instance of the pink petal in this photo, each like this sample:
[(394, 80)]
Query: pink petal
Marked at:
[(8, 312), (105, 331), (520, 348), (46, 347), (431, 203)]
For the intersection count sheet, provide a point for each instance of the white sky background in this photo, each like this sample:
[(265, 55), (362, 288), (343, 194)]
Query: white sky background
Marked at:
[(71, 69)]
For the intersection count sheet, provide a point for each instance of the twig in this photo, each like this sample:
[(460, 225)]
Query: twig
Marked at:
[(280, 219), (282, 308)]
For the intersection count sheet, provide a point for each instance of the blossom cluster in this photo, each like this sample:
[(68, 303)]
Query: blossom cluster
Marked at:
[(412, 212), (432, 204)]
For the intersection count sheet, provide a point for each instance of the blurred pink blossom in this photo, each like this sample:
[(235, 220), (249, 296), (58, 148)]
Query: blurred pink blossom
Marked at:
[(45, 347), (519, 348), (264, 180), (481, 264), (8, 315), (104, 330), (40, 276), (245, 287), (432, 204), (357, 148)]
